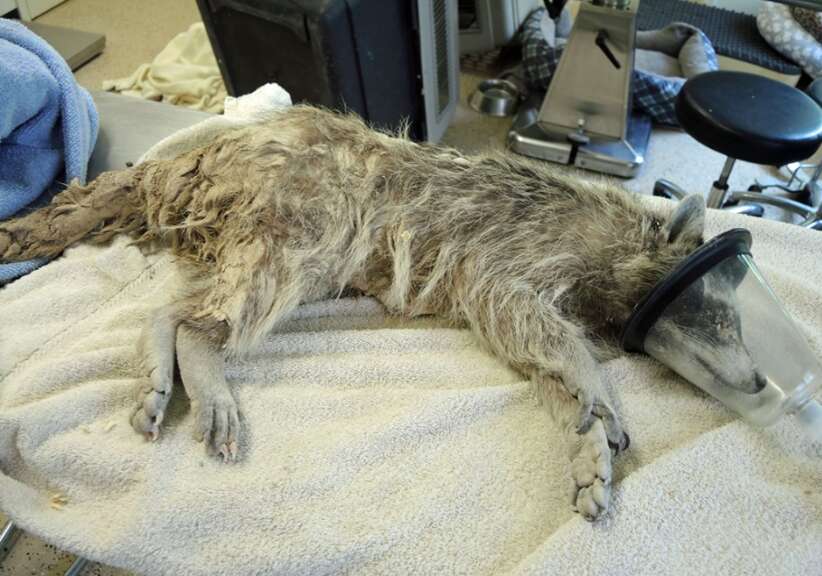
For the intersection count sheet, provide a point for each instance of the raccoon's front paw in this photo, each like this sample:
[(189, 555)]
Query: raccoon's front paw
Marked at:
[(593, 409), (590, 491), (153, 402), (218, 425)]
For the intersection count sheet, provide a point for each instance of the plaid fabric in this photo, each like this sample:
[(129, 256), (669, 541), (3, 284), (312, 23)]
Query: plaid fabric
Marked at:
[(652, 94), (539, 59)]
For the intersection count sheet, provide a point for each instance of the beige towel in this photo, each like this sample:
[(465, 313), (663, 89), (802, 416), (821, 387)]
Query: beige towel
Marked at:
[(377, 446), (184, 73)]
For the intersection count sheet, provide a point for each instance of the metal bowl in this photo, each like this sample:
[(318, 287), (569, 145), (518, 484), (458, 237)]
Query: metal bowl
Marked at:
[(495, 98)]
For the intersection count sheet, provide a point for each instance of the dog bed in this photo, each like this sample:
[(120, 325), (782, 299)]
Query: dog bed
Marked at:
[(378, 446), (778, 26), (810, 20)]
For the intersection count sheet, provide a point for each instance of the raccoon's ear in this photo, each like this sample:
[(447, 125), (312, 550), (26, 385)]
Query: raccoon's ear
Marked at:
[(688, 219)]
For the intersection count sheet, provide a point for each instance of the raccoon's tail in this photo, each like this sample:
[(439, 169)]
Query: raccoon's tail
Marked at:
[(108, 206)]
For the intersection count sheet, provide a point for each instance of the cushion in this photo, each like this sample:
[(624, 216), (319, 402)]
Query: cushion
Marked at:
[(778, 26), (810, 20)]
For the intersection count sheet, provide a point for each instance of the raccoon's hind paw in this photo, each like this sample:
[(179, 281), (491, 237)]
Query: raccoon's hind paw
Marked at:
[(156, 353), (218, 425), (150, 412), (590, 492), (152, 406)]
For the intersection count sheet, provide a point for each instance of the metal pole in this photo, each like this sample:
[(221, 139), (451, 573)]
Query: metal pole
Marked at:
[(717, 196), (8, 536), (813, 183), (77, 568), (726, 171)]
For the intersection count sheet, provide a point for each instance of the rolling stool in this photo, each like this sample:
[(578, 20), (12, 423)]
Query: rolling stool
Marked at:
[(751, 118)]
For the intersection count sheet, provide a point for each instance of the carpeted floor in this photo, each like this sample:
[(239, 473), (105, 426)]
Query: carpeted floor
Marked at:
[(137, 31)]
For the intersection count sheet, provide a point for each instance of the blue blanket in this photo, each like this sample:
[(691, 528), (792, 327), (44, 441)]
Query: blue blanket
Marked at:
[(48, 126)]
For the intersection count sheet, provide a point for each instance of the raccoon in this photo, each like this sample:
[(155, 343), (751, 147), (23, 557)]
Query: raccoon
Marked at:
[(543, 266)]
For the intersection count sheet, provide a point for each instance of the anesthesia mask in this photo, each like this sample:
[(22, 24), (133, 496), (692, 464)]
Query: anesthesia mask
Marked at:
[(715, 321)]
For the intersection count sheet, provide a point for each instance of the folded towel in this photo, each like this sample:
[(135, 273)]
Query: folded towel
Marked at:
[(48, 125), (373, 445), (184, 73), (266, 100)]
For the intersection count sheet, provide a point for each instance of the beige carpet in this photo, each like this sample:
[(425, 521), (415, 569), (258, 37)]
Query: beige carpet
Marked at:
[(137, 30)]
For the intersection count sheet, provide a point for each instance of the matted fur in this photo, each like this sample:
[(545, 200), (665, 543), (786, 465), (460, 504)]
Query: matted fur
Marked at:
[(542, 265)]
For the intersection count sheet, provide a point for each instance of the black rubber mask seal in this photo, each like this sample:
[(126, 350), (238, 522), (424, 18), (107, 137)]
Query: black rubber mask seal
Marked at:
[(650, 308)]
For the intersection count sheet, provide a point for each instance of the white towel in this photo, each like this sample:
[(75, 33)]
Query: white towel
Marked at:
[(378, 446), (258, 106), (184, 73)]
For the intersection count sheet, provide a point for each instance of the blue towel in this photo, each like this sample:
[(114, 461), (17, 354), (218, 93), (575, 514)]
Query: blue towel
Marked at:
[(48, 126)]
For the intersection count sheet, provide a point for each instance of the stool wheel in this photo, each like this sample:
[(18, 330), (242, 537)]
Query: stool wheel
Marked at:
[(662, 192), (800, 195), (667, 189), (754, 210)]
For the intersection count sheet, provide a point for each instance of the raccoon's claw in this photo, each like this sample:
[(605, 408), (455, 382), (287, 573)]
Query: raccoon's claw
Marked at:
[(622, 445), (229, 452), (591, 411), (617, 438)]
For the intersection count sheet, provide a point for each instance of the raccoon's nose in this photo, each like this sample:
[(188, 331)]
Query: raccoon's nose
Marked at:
[(759, 382)]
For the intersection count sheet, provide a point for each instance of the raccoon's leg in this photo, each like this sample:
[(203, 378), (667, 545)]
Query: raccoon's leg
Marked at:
[(178, 332), (589, 452), (533, 336), (572, 364), (201, 358), (249, 294), (156, 352)]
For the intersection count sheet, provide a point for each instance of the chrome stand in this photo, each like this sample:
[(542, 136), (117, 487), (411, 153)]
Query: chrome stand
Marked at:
[(718, 196), (8, 536)]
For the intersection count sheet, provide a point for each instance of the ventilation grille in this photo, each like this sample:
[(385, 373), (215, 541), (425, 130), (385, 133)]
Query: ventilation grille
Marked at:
[(441, 54)]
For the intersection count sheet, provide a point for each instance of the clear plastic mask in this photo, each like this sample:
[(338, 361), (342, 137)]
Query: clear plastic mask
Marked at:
[(723, 329)]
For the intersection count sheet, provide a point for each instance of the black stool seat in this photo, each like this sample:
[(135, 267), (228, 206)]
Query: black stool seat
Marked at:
[(750, 117)]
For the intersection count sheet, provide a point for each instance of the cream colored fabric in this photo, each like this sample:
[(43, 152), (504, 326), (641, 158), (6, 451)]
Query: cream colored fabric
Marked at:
[(373, 445), (184, 73)]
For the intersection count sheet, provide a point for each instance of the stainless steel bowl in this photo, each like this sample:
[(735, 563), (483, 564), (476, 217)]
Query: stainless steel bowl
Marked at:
[(495, 98)]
